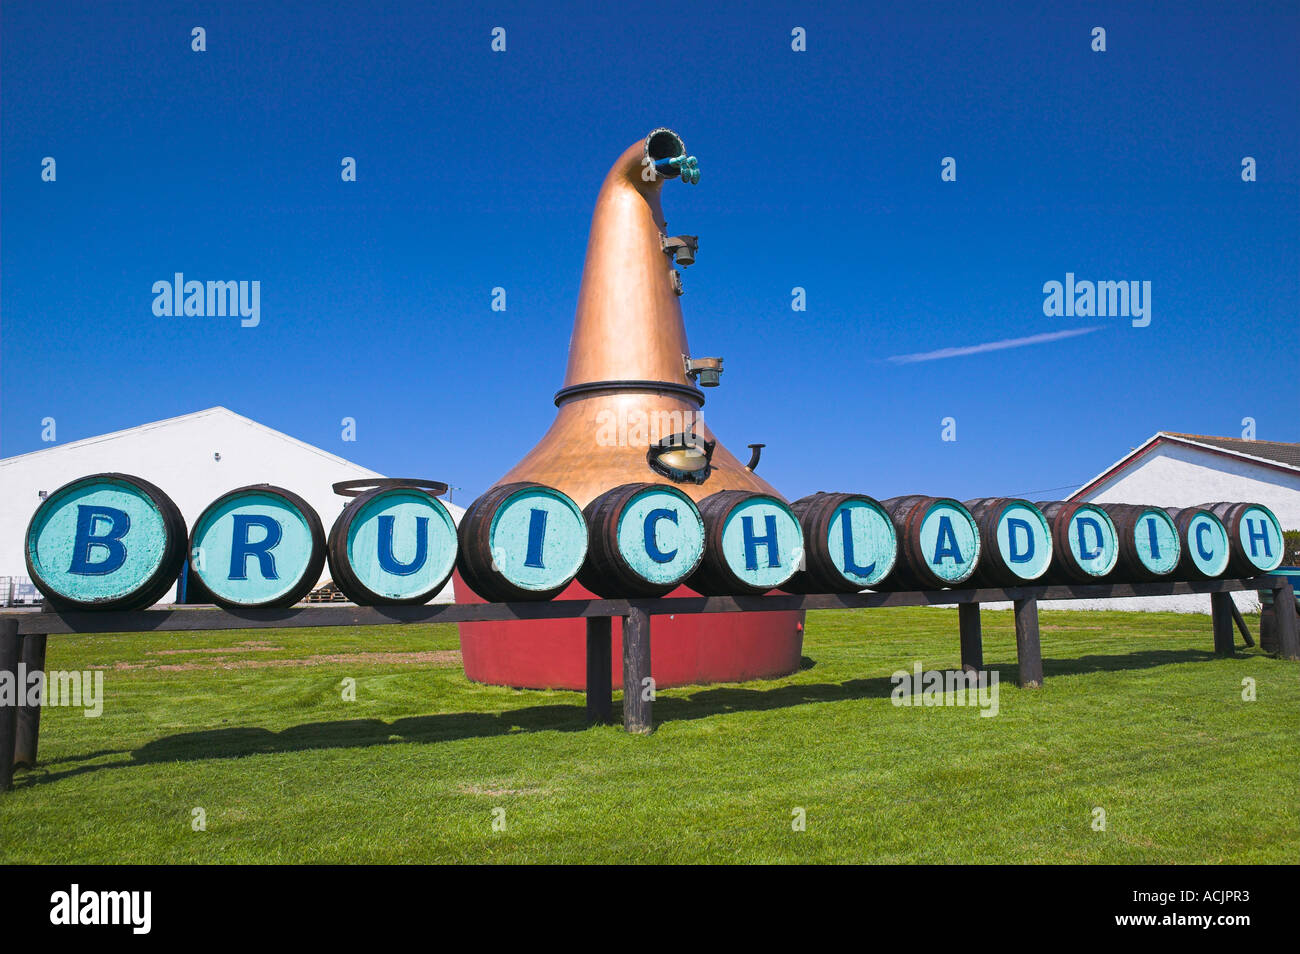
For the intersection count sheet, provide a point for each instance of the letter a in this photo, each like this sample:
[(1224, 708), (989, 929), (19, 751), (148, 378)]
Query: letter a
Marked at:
[(945, 546)]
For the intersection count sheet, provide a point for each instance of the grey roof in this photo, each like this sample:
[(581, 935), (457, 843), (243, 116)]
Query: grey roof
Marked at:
[(1276, 451)]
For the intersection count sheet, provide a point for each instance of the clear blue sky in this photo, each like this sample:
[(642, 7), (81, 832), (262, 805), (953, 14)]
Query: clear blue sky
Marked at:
[(820, 169)]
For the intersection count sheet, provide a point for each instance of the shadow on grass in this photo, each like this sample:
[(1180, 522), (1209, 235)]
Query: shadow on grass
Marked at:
[(1144, 659), (443, 727), (446, 727)]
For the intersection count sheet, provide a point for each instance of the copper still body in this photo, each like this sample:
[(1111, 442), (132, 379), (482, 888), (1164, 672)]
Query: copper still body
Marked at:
[(629, 410)]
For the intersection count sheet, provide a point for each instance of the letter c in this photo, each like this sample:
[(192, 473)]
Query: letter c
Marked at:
[(1201, 528), (651, 547)]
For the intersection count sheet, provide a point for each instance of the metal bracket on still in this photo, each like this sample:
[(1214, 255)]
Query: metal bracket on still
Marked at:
[(705, 371), (680, 249)]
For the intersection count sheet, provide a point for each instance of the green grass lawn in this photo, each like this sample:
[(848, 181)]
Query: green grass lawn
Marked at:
[(1136, 717)]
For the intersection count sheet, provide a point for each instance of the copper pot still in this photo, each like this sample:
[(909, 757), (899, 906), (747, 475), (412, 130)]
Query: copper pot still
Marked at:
[(630, 410)]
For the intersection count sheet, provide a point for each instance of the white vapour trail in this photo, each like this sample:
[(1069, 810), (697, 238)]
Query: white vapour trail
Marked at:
[(990, 346)]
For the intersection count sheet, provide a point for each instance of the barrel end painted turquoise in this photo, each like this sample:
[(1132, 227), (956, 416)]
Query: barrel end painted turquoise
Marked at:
[(278, 574), (1206, 549), (1015, 542), (392, 545), (644, 540), (1085, 546), (850, 544), (739, 557), (938, 543), (121, 548), (521, 541), (1256, 540)]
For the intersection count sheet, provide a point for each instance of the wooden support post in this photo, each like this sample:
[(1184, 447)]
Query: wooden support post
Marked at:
[(1028, 649), (10, 643), (972, 638), (1241, 624), (1284, 618), (28, 733), (599, 682), (638, 684), (1221, 617), (1267, 628)]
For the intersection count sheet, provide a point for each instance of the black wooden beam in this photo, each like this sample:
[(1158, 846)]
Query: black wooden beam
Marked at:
[(204, 618)]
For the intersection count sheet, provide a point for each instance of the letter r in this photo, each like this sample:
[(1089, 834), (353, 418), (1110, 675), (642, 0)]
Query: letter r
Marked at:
[(241, 548)]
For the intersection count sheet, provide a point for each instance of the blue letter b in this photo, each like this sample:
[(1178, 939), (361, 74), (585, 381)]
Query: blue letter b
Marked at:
[(86, 540)]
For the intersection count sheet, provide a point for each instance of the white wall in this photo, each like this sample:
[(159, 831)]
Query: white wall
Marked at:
[(1247, 601), (178, 456)]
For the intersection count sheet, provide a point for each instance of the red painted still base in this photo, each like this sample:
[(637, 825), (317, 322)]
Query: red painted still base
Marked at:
[(684, 650)]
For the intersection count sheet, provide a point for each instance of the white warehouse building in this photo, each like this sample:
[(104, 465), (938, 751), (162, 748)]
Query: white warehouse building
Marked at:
[(194, 459), (1183, 470)]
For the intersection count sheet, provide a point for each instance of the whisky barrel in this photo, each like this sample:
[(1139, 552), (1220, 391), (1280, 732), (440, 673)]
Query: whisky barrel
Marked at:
[(849, 544), (1015, 541), (107, 541), (1206, 548), (258, 546), (392, 544), (1085, 547), (1254, 536), (752, 543), (938, 543), (1149, 547), (643, 540), (521, 541)]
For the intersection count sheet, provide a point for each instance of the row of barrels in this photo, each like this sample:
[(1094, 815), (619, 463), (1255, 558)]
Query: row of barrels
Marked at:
[(1000, 542), (116, 541)]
